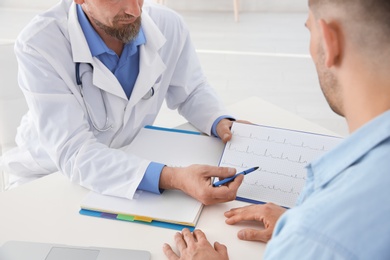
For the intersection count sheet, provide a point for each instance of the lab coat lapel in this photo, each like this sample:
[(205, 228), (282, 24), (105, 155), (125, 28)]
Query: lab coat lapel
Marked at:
[(102, 76), (151, 64), (79, 45), (105, 80)]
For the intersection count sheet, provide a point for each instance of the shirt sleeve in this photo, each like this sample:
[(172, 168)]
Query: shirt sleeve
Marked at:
[(151, 178), (214, 127), (305, 245)]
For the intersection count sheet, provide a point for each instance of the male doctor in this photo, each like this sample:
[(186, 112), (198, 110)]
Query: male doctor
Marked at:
[(94, 72)]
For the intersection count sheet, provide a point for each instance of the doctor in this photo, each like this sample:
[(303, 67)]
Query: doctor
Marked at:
[(94, 72)]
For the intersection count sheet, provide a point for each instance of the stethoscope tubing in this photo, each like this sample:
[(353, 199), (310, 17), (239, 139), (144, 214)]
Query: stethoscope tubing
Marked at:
[(79, 82), (106, 126)]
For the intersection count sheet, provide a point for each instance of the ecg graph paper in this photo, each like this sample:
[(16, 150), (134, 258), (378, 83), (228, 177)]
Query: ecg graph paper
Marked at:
[(281, 155)]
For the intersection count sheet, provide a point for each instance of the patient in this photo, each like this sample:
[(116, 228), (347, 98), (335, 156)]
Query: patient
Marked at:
[(343, 210)]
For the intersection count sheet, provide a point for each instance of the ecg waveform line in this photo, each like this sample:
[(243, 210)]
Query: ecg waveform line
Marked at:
[(242, 165), (284, 142), (274, 188), (268, 154), (296, 176)]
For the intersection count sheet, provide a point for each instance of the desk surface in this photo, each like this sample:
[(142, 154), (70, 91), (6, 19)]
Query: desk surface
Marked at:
[(46, 210)]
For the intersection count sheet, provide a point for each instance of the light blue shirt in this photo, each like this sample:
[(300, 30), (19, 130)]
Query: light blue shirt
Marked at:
[(344, 209), (126, 69)]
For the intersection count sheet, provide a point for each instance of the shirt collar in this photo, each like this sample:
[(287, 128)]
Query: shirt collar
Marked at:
[(139, 40), (95, 42), (329, 166)]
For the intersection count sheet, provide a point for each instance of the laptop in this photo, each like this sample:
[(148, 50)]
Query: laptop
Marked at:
[(19, 250)]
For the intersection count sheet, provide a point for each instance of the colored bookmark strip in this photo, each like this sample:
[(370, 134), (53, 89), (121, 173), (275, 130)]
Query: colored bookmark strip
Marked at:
[(125, 217), (133, 219)]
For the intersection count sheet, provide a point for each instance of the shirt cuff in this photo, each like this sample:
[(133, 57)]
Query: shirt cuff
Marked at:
[(214, 127), (151, 178)]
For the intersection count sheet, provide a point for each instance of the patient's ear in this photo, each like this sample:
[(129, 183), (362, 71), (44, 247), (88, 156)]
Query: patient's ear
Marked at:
[(331, 38)]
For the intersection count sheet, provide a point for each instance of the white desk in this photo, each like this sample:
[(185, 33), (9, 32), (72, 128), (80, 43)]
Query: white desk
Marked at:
[(46, 210)]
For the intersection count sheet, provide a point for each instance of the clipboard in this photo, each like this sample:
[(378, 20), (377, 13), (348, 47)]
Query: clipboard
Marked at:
[(172, 209), (281, 155)]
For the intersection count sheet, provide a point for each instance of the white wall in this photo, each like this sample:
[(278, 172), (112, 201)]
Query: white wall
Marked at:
[(28, 4), (188, 5), (245, 5)]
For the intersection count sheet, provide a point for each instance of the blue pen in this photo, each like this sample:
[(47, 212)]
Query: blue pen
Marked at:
[(219, 183)]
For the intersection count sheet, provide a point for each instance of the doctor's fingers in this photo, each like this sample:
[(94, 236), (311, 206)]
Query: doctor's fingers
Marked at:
[(223, 130), (180, 241), (224, 193), (244, 122), (220, 172), (200, 236), (184, 241), (192, 238), (208, 171), (169, 253), (198, 242)]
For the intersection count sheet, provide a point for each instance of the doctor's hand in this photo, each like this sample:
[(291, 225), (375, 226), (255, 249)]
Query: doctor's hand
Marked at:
[(224, 128), (268, 214), (195, 246), (195, 180)]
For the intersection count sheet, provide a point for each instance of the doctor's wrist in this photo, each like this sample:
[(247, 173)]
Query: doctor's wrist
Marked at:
[(168, 178)]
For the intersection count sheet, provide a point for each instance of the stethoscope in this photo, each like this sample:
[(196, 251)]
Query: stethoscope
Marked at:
[(106, 126)]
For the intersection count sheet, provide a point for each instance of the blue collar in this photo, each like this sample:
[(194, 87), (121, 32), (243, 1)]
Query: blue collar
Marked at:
[(351, 150)]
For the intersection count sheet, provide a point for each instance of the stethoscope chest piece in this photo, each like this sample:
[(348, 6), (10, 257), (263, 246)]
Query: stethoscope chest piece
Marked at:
[(149, 94)]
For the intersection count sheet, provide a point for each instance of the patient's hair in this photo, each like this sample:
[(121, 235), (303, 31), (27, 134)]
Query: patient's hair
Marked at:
[(366, 22)]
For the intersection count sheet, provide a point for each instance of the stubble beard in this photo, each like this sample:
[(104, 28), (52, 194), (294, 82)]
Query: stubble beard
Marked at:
[(329, 84), (124, 33)]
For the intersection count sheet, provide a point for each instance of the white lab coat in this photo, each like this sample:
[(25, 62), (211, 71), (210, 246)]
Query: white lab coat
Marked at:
[(57, 135)]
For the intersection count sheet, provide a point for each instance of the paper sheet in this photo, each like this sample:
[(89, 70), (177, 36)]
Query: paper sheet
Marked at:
[(281, 155)]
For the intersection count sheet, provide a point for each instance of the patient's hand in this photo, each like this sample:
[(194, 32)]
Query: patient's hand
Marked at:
[(192, 246), (268, 214)]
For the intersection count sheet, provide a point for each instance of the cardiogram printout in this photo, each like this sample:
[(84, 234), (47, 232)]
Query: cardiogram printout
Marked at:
[(281, 155)]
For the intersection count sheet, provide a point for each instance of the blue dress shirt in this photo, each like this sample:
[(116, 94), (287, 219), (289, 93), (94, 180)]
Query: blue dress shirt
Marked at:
[(344, 210), (126, 69)]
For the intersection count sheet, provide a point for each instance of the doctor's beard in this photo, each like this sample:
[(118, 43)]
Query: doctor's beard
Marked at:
[(123, 32)]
